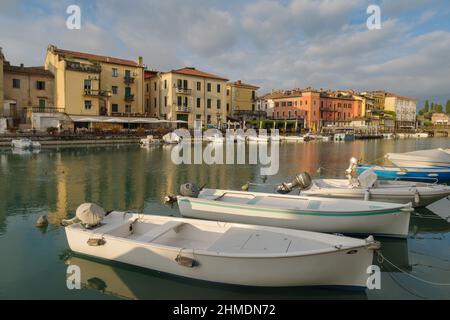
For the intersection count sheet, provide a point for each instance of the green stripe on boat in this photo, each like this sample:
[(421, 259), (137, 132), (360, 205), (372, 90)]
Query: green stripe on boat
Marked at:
[(306, 213)]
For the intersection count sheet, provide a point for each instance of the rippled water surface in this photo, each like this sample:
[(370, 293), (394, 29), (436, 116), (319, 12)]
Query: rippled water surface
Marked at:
[(56, 180)]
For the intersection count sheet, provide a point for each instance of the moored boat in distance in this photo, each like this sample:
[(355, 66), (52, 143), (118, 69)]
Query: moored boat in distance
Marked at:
[(226, 253), (171, 138), (420, 174), (25, 143), (421, 158), (149, 141), (297, 212)]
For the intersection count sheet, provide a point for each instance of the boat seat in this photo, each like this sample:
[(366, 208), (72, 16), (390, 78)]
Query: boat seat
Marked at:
[(159, 231)]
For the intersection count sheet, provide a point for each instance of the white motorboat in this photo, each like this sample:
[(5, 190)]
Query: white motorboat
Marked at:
[(149, 141), (171, 138), (258, 139), (216, 138), (298, 212), (422, 158), (293, 138), (226, 253), (413, 135), (25, 143), (418, 193)]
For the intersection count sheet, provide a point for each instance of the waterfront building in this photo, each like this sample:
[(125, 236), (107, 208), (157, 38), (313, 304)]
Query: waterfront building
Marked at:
[(440, 119), (151, 88), (266, 104), (196, 98), (25, 89), (317, 108), (2, 59), (405, 110), (95, 85), (241, 101)]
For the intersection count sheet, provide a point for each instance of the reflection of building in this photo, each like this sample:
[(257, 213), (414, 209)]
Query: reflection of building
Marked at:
[(241, 101), (405, 110), (94, 85), (193, 96)]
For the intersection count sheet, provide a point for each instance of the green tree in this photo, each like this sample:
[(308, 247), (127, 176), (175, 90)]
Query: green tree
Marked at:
[(447, 107), (426, 108), (432, 107), (438, 108)]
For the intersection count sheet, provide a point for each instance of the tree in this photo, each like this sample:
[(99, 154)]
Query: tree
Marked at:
[(432, 107), (438, 108), (447, 107), (426, 108), (421, 112)]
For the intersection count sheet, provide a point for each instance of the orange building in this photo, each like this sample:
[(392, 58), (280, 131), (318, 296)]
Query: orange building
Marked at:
[(317, 108)]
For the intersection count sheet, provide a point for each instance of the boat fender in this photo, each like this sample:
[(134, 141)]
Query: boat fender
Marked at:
[(92, 242), (189, 190), (367, 195), (42, 221)]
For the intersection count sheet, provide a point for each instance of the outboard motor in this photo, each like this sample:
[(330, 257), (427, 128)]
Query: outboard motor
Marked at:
[(301, 181), (190, 190)]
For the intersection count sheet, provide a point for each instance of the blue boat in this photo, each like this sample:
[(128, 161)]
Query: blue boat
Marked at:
[(431, 175)]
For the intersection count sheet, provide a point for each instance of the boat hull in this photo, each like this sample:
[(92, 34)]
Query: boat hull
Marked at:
[(391, 224), (441, 175), (343, 267)]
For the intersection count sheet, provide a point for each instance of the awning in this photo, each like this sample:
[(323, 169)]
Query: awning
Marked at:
[(103, 119)]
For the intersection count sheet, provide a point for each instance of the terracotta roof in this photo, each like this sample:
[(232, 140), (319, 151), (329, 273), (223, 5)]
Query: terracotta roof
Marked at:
[(197, 73), (150, 74), (94, 57), (239, 83), (38, 71)]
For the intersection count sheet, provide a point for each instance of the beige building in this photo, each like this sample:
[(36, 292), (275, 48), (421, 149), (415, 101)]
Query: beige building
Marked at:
[(95, 85), (241, 100), (190, 95), (25, 89), (2, 59), (152, 87), (440, 119), (405, 110)]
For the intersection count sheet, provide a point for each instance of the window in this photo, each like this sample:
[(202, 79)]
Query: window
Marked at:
[(228, 92), (87, 105), (115, 107), (147, 104), (165, 101), (208, 104), (87, 85), (42, 104), (147, 87), (219, 104), (199, 86), (208, 118), (209, 87), (127, 108), (127, 91), (185, 84), (165, 84), (154, 102), (198, 102), (115, 72), (198, 116), (218, 88), (154, 86), (40, 85), (253, 107), (16, 83), (253, 95), (179, 83), (179, 101), (114, 89), (127, 74), (228, 107)]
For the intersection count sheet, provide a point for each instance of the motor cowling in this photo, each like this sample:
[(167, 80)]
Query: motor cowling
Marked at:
[(189, 190), (301, 181)]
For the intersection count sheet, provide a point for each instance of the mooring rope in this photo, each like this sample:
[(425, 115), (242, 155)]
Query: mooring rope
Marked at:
[(383, 258)]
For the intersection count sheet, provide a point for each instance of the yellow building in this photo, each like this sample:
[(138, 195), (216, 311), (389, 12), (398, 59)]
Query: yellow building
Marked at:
[(2, 59), (193, 96), (94, 85), (151, 86), (241, 100), (379, 99)]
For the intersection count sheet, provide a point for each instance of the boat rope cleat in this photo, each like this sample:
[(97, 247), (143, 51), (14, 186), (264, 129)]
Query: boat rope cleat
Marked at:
[(96, 242), (372, 244), (184, 261)]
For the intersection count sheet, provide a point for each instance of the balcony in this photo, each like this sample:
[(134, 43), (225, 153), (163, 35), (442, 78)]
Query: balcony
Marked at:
[(129, 98), (185, 109), (91, 92), (128, 79), (46, 110), (181, 90), (83, 67)]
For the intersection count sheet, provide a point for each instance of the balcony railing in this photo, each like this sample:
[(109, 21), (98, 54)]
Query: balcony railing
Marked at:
[(83, 67), (128, 79), (129, 97), (181, 90), (183, 108), (46, 110), (91, 92)]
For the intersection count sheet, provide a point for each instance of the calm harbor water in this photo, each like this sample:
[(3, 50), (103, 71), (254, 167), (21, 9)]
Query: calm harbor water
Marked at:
[(55, 181)]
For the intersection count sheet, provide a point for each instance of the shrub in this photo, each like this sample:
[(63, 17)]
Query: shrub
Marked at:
[(51, 130), (140, 131)]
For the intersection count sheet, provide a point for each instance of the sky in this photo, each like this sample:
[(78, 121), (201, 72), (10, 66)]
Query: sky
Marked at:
[(275, 44)]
